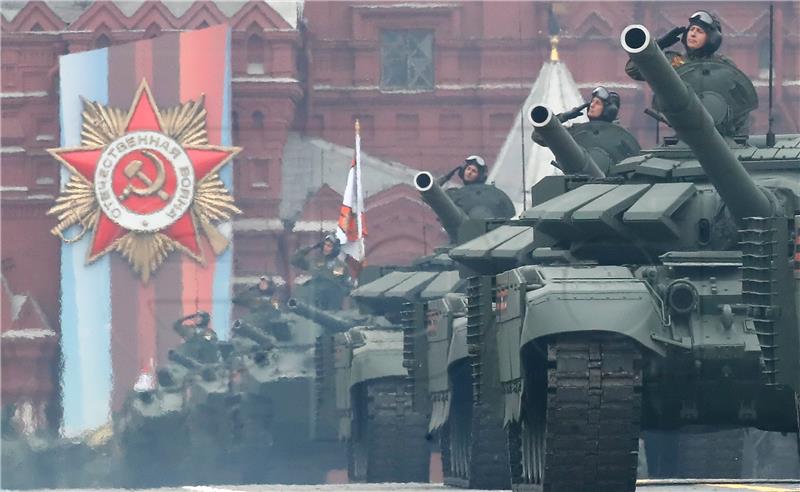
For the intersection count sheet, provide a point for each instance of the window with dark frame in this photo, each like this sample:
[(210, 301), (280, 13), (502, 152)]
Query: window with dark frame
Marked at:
[(407, 59)]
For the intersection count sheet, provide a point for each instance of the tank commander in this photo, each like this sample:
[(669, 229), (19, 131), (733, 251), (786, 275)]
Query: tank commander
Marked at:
[(324, 263), (261, 301), (701, 40), (603, 106), (472, 171)]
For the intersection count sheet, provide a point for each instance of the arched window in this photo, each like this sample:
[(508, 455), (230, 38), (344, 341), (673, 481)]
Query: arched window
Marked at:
[(102, 41), (258, 120), (255, 55)]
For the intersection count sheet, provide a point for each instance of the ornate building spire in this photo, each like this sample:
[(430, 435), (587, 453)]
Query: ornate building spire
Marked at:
[(554, 48)]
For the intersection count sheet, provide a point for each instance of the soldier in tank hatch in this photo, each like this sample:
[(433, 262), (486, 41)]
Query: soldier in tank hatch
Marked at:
[(326, 262), (603, 106), (701, 40), (472, 171)]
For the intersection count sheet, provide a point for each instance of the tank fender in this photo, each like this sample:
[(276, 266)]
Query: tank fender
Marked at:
[(594, 298), (458, 342), (380, 356)]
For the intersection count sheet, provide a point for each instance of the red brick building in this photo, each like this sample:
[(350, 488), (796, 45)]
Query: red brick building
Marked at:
[(430, 82)]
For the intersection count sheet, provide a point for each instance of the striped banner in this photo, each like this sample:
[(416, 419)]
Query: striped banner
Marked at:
[(113, 324)]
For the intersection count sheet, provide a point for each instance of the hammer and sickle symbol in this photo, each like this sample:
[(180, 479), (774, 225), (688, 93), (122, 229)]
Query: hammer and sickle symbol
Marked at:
[(134, 169)]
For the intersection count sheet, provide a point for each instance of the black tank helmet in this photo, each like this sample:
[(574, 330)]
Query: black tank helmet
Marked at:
[(713, 28), (478, 162), (337, 246), (611, 103)]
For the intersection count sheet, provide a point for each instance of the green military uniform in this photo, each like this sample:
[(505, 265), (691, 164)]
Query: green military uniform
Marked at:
[(200, 342), (261, 305), (677, 60), (329, 283)]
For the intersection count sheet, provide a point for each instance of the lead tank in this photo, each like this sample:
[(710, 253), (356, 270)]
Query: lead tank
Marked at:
[(660, 296)]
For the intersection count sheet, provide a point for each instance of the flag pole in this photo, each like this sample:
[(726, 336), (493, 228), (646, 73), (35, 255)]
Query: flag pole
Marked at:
[(359, 201)]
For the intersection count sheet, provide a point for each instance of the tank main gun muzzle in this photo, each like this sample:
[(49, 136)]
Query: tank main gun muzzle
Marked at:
[(684, 111), (573, 158), (450, 215)]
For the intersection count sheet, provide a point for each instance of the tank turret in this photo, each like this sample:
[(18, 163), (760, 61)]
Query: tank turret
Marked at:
[(571, 157), (329, 321), (695, 126), (450, 215)]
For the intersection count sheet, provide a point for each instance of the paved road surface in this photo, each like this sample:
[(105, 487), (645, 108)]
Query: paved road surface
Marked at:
[(644, 486)]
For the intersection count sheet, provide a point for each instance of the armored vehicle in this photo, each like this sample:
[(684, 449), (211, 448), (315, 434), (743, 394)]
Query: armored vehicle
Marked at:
[(658, 296), (436, 353), (361, 390), (274, 374)]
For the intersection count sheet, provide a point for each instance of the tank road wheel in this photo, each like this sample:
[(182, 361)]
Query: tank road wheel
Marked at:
[(580, 416), (388, 440)]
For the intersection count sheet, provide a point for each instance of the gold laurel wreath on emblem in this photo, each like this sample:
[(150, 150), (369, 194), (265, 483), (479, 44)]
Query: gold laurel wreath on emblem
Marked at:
[(77, 204)]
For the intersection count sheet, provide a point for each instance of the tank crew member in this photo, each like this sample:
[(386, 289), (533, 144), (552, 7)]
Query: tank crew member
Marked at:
[(263, 293), (701, 40), (326, 262), (603, 106), (472, 171), (199, 339)]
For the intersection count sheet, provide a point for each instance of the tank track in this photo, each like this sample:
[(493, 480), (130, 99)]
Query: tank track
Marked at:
[(585, 435), (480, 460), (389, 439)]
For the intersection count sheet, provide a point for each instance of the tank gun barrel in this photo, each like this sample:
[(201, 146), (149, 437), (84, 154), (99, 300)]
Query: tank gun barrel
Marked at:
[(253, 334), (329, 321), (573, 158), (450, 215), (184, 360), (682, 108)]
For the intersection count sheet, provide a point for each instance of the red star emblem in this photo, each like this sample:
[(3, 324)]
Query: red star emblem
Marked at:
[(145, 180)]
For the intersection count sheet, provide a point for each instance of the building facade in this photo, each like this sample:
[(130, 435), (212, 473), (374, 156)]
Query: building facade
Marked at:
[(430, 82)]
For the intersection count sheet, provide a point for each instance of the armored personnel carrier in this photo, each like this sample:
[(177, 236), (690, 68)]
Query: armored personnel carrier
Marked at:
[(658, 296)]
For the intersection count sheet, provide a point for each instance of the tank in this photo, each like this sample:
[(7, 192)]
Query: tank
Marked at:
[(666, 286), (444, 379), (361, 394), (274, 374)]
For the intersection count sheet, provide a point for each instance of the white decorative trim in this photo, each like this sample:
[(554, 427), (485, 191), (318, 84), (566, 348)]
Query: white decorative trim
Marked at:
[(13, 188), (28, 334), (11, 150), (267, 79), (45, 138), (315, 225), (40, 197), (4, 95), (45, 180), (257, 225)]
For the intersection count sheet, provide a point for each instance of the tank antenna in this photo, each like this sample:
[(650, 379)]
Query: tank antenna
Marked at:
[(770, 133), (522, 124)]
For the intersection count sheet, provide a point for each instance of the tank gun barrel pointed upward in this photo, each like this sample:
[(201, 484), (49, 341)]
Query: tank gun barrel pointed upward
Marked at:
[(327, 320), (682, 108), (450, 215), (573, 158)]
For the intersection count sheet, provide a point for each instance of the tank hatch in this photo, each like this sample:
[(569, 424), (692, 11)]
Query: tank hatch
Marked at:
[(497, 250)]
